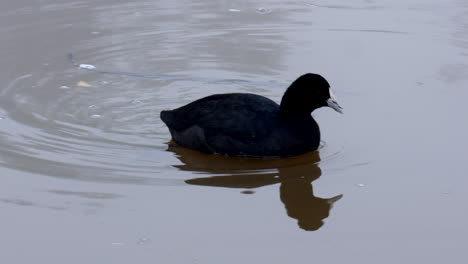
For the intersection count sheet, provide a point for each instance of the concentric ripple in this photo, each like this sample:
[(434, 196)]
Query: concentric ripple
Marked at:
[(62, 121)]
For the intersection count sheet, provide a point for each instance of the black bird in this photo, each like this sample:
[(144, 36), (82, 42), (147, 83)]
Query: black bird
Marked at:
[(242, 124)]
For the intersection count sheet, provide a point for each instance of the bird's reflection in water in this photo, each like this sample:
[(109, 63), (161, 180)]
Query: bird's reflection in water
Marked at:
[(295, 175)]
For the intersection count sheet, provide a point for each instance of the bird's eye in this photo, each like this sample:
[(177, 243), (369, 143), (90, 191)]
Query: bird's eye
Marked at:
[(320, 92)]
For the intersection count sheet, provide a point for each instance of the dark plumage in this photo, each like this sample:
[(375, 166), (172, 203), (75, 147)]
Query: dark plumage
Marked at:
[(241, 124)]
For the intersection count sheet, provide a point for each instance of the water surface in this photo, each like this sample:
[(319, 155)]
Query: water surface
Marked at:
[(87, 174)]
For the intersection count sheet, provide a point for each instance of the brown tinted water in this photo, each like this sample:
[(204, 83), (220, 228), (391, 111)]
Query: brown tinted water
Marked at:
[(87, 175)]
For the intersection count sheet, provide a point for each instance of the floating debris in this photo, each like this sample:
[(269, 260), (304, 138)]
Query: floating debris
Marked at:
[(360, 185), (118, 243), (64, 87), (234, 10), (248, 192), (93, 107), (83, 84), (87, 66), (263, 10), (96, 116), (143, 241), (136, 101)]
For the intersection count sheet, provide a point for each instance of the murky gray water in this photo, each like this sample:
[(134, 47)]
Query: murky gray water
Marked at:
[(87, 176)]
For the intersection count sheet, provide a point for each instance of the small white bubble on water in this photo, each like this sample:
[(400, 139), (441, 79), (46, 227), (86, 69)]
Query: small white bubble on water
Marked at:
[(64, 87), (360, 185), (136, 101), (93, 107), (96, 116), (312, 4), (95, 32), (118, 244), (234, 10), (87, 66), (263, 10), (143, 241)]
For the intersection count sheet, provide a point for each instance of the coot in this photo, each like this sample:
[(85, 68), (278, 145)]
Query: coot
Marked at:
[(243, 124)]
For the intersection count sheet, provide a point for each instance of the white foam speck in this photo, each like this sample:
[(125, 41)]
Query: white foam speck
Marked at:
[(263, 10), (87, 66)]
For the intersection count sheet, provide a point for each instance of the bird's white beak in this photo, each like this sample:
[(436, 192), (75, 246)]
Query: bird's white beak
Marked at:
[(331, 102)]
